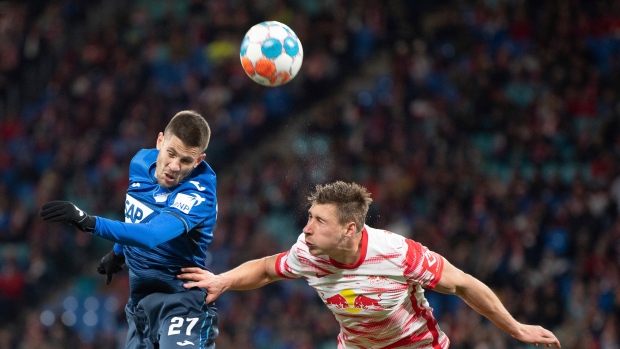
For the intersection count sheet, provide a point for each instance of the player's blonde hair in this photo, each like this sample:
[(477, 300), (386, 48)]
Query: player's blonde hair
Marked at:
[(351, 200), (191, 128)]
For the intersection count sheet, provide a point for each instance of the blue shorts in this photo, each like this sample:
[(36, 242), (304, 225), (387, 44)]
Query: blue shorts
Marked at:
[(177, 320)]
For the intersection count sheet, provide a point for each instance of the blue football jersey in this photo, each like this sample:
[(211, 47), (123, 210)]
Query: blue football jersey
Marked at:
[(193, 202)]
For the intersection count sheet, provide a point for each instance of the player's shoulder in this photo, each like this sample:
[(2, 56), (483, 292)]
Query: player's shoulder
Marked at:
[(300, 245), (204, 172), (301, 239), (142, 161), (384, 239), (382, 234), (145, 156)]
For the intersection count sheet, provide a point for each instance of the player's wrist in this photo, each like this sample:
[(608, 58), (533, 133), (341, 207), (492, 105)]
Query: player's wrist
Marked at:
[(118, 258), (87, 224)]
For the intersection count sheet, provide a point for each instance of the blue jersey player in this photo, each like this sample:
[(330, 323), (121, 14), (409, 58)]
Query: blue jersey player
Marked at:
[(170, 211)]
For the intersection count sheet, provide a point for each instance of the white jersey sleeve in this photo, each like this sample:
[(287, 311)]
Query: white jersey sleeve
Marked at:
[(288, 264), (422, 266)]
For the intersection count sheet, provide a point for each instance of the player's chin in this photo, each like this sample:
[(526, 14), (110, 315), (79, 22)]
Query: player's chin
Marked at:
[(166, 183), (315, 251)]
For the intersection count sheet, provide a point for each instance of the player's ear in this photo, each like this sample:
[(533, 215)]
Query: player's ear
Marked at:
[(351, 229), (160, 140), (199, 160)]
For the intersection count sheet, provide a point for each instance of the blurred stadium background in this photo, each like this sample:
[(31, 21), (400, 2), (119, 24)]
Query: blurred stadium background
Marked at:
[(488, 130)]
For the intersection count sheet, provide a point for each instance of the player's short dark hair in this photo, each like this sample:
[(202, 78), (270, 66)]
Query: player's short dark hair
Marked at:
[(351, 199), (191, 128)]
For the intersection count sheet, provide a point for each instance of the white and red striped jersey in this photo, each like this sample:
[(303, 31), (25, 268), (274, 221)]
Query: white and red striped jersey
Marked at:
[(379, 300)]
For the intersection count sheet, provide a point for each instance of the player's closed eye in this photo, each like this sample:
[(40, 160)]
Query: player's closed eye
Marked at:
[(319, 220)]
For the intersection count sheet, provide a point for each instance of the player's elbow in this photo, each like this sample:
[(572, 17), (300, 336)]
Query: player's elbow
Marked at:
[(156, 232), (467, 282)]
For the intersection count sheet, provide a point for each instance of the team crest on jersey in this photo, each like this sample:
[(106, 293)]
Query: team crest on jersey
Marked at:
[(185, 202), (161, 194), (377, 281), (135, 211)]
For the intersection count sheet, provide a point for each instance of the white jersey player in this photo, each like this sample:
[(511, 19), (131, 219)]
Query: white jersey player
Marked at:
[(379, 299), (372, 280)]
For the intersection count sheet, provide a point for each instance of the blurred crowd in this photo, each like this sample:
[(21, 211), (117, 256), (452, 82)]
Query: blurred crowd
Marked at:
[(492, 136)]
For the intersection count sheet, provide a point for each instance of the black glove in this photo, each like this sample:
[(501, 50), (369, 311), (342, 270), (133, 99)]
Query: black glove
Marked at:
[(110, 264), (65, 211)]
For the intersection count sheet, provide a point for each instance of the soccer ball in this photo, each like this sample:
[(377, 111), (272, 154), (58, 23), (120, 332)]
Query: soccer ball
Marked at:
[(271, 53)]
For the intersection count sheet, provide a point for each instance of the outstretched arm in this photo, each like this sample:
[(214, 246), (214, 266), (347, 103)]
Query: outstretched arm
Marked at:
[(249, 275), (160, 229), (480, 298)]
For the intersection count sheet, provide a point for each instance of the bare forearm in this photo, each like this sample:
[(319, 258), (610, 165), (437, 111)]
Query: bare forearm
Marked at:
[(482, 299), (250, 275)]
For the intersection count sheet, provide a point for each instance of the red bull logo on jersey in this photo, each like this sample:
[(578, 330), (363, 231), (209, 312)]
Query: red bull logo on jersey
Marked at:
[(352, 302)]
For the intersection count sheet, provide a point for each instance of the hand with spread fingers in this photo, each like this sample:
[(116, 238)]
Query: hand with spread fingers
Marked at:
[(198, 277), (537, 335)]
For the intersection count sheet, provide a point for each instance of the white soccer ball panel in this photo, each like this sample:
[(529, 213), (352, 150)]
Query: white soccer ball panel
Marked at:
[(254, 52), (278, 32), (283, 63), (296, 65), (258, 33)]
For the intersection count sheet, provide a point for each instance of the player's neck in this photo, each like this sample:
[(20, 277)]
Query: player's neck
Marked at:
[(350, 252)]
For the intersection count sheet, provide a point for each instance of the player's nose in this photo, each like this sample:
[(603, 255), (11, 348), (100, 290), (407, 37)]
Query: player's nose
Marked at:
[(174, 166), (307, 229)]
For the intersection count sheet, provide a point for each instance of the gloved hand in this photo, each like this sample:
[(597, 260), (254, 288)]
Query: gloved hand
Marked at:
[(111, 264), (59, 211)]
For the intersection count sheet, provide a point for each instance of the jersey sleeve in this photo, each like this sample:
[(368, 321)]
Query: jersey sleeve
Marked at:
[(288, 265), (194, 202), (422, 266), (160, 229), (118, 249)]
